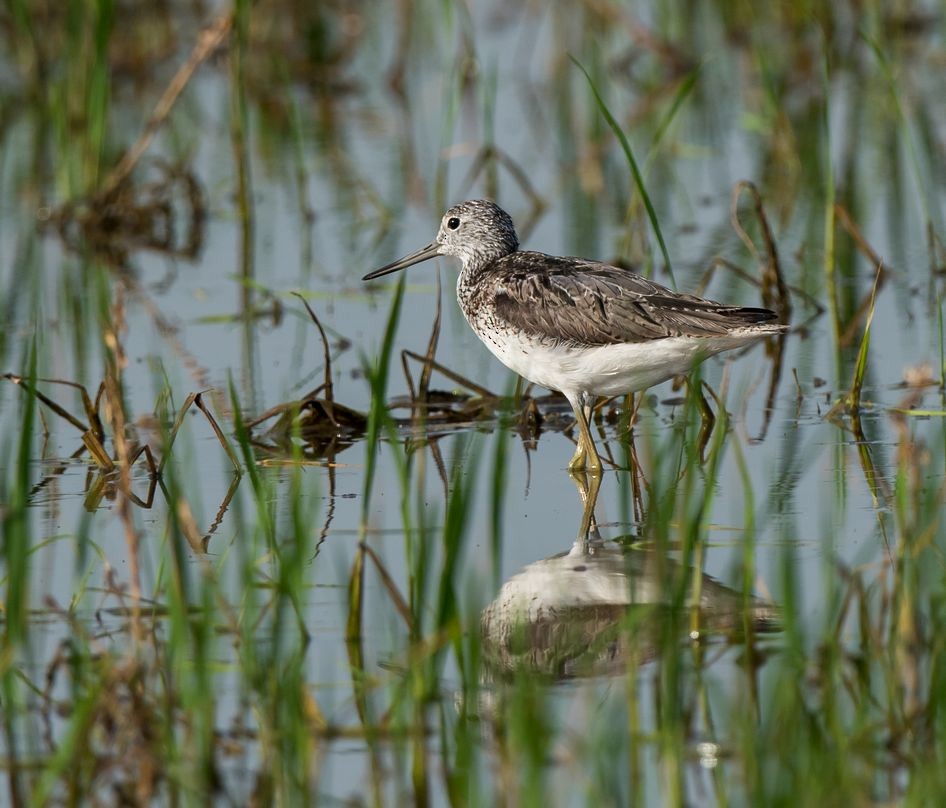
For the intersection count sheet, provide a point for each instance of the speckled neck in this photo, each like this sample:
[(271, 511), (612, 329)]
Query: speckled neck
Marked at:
[(471, 295)]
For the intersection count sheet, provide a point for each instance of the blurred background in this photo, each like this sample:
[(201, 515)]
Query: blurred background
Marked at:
[(354, 570)]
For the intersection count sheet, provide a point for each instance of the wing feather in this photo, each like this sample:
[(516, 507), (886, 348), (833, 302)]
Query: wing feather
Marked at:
[(589, 303)]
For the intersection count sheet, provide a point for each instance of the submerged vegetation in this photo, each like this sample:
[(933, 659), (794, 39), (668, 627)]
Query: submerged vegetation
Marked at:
[(258, 549)]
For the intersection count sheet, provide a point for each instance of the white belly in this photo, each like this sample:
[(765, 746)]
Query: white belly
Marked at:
[(609, 370)]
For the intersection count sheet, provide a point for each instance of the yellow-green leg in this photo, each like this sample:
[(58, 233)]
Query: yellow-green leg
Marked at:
[(586, 455), (588, 486), (577, 463)]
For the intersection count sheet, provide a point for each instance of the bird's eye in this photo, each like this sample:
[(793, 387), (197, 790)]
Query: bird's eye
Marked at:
[(453, 223)]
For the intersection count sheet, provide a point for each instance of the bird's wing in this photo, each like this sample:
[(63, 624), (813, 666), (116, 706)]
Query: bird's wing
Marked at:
[(585, 302)]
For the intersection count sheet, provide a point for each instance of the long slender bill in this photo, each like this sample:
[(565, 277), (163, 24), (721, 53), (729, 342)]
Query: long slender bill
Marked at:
[(432, 250)]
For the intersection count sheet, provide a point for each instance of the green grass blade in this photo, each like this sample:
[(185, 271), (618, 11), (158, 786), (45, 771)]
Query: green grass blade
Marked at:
[(632, 162), (378, 374), (861, 367)]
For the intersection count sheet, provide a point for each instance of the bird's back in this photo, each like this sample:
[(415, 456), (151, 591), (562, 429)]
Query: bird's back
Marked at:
[(590, 303)]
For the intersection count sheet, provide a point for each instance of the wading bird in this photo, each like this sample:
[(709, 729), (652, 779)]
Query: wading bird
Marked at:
[(581, 327)]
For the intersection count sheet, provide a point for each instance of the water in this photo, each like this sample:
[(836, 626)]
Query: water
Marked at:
[(787, 520)]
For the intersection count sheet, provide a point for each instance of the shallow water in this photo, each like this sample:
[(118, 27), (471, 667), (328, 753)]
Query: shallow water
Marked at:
[(783, 524)]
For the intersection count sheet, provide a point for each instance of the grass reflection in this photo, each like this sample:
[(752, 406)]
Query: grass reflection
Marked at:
[(368, 608)]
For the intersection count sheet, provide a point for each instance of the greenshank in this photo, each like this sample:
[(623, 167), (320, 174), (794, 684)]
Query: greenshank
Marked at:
[(583, 328)]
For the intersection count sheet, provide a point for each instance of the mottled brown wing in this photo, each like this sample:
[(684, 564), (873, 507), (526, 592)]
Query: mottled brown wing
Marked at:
[(589, 303)]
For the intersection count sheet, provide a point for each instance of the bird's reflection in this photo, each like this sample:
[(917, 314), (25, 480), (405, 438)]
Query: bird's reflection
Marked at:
[(588, 610)]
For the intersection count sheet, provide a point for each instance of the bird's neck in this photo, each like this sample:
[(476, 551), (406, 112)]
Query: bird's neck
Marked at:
[(471, 287)]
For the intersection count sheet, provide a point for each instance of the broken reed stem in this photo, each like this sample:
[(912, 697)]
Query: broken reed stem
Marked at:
[(99, 455), (197, 398), (188, 524), (389, 584), (774, 289), (115, 411), (492, 153), (279, 409), (62, 413), (221, 512), (425, 374), (199, 401), (172, 434), (326, 361), (450, 374), (844, 219), (208, 40)]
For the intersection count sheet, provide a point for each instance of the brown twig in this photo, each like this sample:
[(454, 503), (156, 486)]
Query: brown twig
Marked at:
[(774, 290), (424, 384), (172, 434), (847, 222), (62, 413), (450, 374), (208, 40), (389, 584), (492, 153), (115, 411), (199, 401), (221, 512), (326, 355), (99, 455)]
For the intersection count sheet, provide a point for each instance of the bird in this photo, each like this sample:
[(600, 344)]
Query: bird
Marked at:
[(583, 328)]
